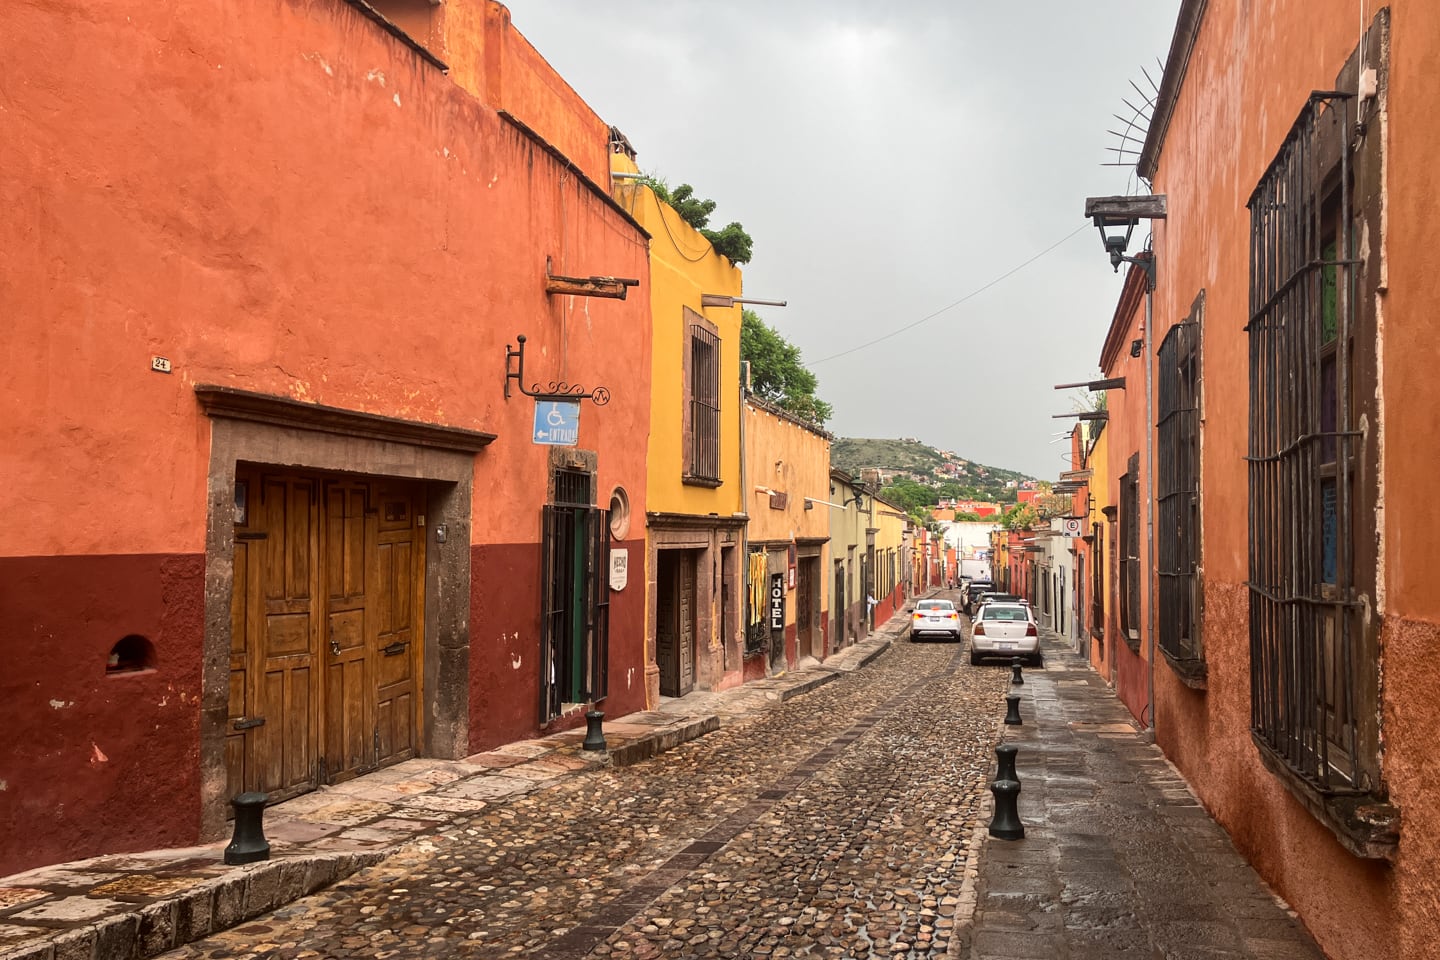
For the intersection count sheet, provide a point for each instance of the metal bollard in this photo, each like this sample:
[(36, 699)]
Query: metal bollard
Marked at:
[(248, 843), (1005, 824), (1006, 753), (1012, 710), (1015, 676), (594, 736)]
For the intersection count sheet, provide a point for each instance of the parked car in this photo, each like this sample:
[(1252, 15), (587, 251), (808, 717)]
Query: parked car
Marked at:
[(935, 618), (971, 597), (1004, 630)]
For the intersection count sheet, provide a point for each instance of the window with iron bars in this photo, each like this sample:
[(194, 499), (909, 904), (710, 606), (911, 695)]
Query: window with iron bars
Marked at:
[(575, 618), (1177, 501), (1129, 547), (1313, 657), (1097, 578), (702, 428)]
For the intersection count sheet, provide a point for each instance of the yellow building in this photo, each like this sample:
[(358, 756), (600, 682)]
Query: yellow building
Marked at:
[(852, 511), (889, 543), (787, 468), (695, 504), (1102, 545)]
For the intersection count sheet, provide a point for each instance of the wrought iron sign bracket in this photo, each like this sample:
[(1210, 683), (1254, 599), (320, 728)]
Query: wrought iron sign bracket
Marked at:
[(555, 390)]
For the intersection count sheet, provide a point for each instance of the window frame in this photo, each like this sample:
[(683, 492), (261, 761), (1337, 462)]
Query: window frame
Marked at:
[(1178, 594), (702, 410), (1314, 640), (1128, 545)]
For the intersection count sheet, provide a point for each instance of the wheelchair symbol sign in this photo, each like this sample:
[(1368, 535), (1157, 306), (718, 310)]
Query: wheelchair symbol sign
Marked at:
[(557, 422)]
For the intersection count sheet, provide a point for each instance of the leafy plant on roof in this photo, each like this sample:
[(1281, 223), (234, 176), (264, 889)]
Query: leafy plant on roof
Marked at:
[(732, 242)]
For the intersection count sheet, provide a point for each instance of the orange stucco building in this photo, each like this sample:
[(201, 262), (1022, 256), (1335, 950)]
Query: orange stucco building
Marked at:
[(1298, 536), (276, 514), (787, 469)]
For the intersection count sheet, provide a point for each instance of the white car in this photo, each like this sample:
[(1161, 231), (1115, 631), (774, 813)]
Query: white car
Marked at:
[(1004, 630), (935, 618)]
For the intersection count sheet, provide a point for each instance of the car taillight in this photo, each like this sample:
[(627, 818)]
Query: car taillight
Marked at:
[(919, 615), (952, 615), (1030, 630), (979, 630)]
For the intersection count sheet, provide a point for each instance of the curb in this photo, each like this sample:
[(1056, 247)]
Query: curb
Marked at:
[(638, 750), (209, 907)]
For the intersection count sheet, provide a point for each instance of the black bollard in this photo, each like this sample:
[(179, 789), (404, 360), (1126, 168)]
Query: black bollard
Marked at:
[(1015, 676), (1005, 824), (248, 844), (1006, 753), (1012, 710), (594, 736)]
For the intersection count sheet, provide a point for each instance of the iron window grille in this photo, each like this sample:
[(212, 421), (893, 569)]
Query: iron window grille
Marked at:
[(575, 620), (1129, 547), (703, 460), (1311, 669), (1177, 502), (1097, 577)]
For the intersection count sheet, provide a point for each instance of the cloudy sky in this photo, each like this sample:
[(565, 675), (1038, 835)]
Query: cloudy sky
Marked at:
[(890, 159)]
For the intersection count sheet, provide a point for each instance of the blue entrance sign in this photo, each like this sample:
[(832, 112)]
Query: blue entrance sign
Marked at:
[(557, 422)]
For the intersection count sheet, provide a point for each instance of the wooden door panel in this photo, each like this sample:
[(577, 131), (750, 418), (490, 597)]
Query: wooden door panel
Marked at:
[(399, 580), (349, 685), (686, 638)]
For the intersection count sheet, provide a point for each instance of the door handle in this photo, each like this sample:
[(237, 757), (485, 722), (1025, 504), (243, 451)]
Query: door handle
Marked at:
[(334, 646)]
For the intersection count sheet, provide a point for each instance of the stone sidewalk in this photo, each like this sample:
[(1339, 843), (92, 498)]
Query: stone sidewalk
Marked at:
[(130, 906), (1119, 860)]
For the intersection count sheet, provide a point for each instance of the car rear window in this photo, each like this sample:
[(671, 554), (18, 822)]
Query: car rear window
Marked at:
[(934, 605), (1005, 613)]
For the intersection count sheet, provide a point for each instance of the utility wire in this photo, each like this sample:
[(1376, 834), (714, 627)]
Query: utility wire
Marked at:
[(969, 296)]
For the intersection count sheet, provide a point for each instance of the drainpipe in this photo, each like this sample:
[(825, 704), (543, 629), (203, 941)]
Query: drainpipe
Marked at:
[(1149, 267), (744, 558)]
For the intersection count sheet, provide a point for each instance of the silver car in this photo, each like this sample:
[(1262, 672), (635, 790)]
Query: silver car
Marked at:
[(1004, 630), (935, 618)]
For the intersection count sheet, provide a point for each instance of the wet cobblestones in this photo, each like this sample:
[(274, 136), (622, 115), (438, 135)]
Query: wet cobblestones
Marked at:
[(837, 824)]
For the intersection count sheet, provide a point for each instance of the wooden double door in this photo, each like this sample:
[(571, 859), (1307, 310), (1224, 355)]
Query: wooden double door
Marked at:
[(327, 619)]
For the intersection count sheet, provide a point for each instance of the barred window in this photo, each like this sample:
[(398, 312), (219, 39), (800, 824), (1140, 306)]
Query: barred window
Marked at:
[(1129, 550), (1313, 658), (1177, 501), (702, 408), (1097, 576)]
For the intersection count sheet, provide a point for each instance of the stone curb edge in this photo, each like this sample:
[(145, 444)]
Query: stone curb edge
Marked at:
[(212, 906)]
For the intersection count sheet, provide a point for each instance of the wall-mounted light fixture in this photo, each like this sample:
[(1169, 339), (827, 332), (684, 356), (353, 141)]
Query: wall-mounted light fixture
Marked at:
[(1116, 217)]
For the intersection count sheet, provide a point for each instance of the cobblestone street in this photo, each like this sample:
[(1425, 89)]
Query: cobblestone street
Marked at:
[(835, 824)]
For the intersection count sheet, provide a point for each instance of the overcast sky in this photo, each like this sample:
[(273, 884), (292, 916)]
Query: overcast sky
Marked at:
[(889, 159)]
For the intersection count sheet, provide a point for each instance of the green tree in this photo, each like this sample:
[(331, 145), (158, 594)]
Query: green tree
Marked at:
[(916, 498), (776, 373), (1019, 517), (732, 242)]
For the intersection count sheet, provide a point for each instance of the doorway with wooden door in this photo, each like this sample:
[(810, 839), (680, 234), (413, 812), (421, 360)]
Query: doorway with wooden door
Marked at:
[(327, 615), (675, 609)]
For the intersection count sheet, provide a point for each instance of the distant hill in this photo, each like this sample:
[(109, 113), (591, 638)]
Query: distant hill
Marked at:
[(949, 472)]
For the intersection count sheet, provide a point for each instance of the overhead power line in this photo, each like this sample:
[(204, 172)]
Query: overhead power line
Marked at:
[(969, 296)]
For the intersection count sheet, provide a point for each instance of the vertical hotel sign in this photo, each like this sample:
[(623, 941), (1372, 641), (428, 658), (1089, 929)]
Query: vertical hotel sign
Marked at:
[(777, 601)]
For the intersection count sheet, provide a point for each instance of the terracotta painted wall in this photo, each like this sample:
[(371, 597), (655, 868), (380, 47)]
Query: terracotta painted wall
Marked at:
[(1249, 75), (294, 203), (1126, 432)]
